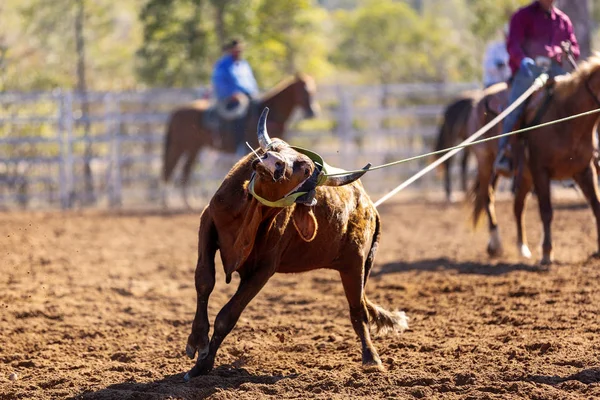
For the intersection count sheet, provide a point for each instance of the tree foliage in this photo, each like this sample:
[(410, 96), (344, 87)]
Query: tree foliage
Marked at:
[(390, 42), (182, 39), (136, 43), (41, 52)]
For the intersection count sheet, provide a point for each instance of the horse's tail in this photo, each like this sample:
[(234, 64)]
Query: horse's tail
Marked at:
[(169, 158), (444, 132), (454, 121)]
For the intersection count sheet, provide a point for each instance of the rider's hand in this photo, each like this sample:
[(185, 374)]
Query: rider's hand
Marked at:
[(237, 97), (526, 64)]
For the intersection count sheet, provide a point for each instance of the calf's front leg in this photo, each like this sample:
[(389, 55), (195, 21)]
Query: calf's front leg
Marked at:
[(249, 287), (205, 283)]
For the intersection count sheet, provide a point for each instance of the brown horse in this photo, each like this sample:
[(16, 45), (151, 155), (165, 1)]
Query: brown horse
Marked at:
[(453, 130), (186, 135), (560, 151)]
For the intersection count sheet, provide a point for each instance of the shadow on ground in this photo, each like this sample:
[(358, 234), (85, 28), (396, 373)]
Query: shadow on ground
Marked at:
[(586, 376), (225, 377), (466, 267)]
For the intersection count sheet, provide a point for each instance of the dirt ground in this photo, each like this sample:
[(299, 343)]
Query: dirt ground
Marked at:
[(98, 305)]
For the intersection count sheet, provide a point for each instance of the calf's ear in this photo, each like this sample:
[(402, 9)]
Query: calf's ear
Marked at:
[(305, 222)]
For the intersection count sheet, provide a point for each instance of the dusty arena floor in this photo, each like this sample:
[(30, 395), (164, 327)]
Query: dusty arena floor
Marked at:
[(97, 305)]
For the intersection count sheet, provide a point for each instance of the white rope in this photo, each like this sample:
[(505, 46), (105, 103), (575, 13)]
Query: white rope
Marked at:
[(538, 83)]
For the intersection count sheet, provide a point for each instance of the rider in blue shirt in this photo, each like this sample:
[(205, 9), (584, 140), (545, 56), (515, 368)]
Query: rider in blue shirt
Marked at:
[(235, 88), (232, 76)]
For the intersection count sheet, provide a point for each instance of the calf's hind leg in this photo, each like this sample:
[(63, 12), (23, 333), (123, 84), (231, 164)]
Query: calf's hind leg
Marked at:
[(354, 289)]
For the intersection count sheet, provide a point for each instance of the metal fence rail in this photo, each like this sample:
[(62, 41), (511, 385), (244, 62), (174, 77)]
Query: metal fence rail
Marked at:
[(47, 147)]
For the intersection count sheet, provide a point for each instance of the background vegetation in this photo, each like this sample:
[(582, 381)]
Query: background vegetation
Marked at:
[(147, 43)]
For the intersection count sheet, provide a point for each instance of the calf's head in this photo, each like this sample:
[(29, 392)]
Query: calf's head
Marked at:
[(283, 169)]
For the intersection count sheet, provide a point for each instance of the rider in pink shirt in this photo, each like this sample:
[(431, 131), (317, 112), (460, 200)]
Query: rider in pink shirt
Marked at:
[(534, 46)]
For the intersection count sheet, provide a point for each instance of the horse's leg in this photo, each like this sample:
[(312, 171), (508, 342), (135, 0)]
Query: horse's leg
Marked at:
[(588, 182), (448, 180), (172, 152), (495, 248), (541, 181), (463, 170), (205, 283), (353, 287), (249, 287), (485, 198), (186, 174), (520, 201)]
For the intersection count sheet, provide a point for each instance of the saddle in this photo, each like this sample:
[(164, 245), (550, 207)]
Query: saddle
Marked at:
[(222, 126)]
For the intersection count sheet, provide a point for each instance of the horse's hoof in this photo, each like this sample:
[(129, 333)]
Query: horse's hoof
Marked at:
[(494, 247), (494, 252), (524, 251), (374, 366), (547, 260)]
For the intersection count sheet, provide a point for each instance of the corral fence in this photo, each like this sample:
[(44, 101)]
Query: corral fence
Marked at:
[(54, 153)]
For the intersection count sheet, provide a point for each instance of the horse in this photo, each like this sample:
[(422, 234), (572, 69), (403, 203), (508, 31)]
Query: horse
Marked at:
[(453, 130), (559, 151), (186, 134)]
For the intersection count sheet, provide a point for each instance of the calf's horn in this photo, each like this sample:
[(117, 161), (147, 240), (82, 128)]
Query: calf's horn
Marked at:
[(346, 179), (263, 137)]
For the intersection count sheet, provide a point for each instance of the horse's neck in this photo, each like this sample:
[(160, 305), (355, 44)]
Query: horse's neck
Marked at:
[(581, 101), (281, 105)]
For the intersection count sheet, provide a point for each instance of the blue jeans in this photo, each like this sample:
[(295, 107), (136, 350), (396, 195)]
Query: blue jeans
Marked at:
[(522, 81)]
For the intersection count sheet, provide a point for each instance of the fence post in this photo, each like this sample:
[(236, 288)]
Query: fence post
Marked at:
[(65, 120), (112, 123)]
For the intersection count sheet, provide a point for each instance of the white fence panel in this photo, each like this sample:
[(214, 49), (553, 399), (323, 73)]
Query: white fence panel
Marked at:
[(47, 147)]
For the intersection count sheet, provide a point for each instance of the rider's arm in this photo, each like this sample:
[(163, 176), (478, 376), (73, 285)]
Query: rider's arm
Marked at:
[(244, 79), (516, 38), (574, 45)]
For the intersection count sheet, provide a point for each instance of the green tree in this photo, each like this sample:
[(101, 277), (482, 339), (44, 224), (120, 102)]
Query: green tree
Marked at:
[(182, 40), (491, 15), (40, 46), (290, 39), (176, 44), (390, 42), (579, 13)]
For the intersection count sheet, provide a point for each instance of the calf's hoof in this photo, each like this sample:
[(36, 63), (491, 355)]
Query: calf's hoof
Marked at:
[(190, 351), (203, 366), (196, 343)]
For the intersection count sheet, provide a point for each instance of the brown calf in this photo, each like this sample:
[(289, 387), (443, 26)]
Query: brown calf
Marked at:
[(339, 231)]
